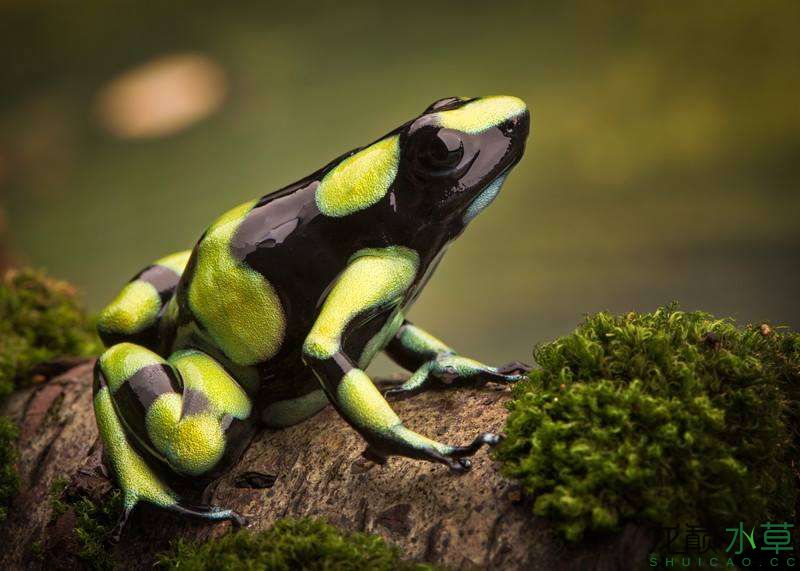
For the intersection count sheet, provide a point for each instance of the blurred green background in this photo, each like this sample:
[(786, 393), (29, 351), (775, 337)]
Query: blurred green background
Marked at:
[(663, 162)]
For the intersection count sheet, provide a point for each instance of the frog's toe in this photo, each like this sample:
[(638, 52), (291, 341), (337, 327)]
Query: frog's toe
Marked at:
[(457, 465), (116, 532), (213, 513), (240, 520), (487, 438), (516, 369), (456, 459), (461, 465), (400, 392)]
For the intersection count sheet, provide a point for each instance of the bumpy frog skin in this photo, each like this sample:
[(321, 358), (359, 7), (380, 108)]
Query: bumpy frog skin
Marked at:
[(285, 300)]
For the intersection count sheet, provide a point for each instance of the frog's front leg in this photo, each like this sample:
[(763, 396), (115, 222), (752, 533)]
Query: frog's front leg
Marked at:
[(435, 364), (374, 282)]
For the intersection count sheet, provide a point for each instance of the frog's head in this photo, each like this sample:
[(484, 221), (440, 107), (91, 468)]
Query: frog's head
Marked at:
[(456, 155), (437, 171)]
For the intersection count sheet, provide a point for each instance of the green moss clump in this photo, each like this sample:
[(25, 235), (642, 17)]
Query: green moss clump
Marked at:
[(9, 481), (37, 550), (58, 505), (291, 544), (668, 417), (40, 319), (93, 526), (94, 522)]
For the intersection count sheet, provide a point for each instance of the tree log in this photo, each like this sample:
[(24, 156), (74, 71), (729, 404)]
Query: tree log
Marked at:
[(475, 520)]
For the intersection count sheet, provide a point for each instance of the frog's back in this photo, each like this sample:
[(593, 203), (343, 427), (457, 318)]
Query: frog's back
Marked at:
[(253, 283)]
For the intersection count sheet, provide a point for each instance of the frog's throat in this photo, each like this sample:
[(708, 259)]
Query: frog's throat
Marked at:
[(485, 198)]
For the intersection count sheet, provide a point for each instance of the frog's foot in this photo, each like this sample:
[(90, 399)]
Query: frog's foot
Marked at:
[(449, 370), (399, 440), (436, 365), (213, 513), (456, 459)]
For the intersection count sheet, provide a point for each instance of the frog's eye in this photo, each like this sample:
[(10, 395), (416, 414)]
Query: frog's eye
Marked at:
[(442, 151)]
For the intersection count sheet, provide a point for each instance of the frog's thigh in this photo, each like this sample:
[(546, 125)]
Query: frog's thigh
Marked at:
[(180, 411), (238, 307)]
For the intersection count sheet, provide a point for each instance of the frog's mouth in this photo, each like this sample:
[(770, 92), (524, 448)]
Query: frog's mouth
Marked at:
[(485, 198)]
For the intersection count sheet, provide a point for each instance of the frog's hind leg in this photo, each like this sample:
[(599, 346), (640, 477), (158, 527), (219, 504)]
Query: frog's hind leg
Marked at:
[(186, 415), (135, 314)]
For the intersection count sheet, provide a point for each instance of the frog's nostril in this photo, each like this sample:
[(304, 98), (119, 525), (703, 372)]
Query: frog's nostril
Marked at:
[(519, 125)]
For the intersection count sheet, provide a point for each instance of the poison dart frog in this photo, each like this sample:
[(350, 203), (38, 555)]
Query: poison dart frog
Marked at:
[(285, 300)]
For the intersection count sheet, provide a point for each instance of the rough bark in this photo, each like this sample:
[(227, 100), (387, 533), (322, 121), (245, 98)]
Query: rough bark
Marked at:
[(474, 520)]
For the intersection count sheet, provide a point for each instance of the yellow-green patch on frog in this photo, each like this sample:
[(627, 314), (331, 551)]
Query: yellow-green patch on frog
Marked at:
[(237, 306)]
